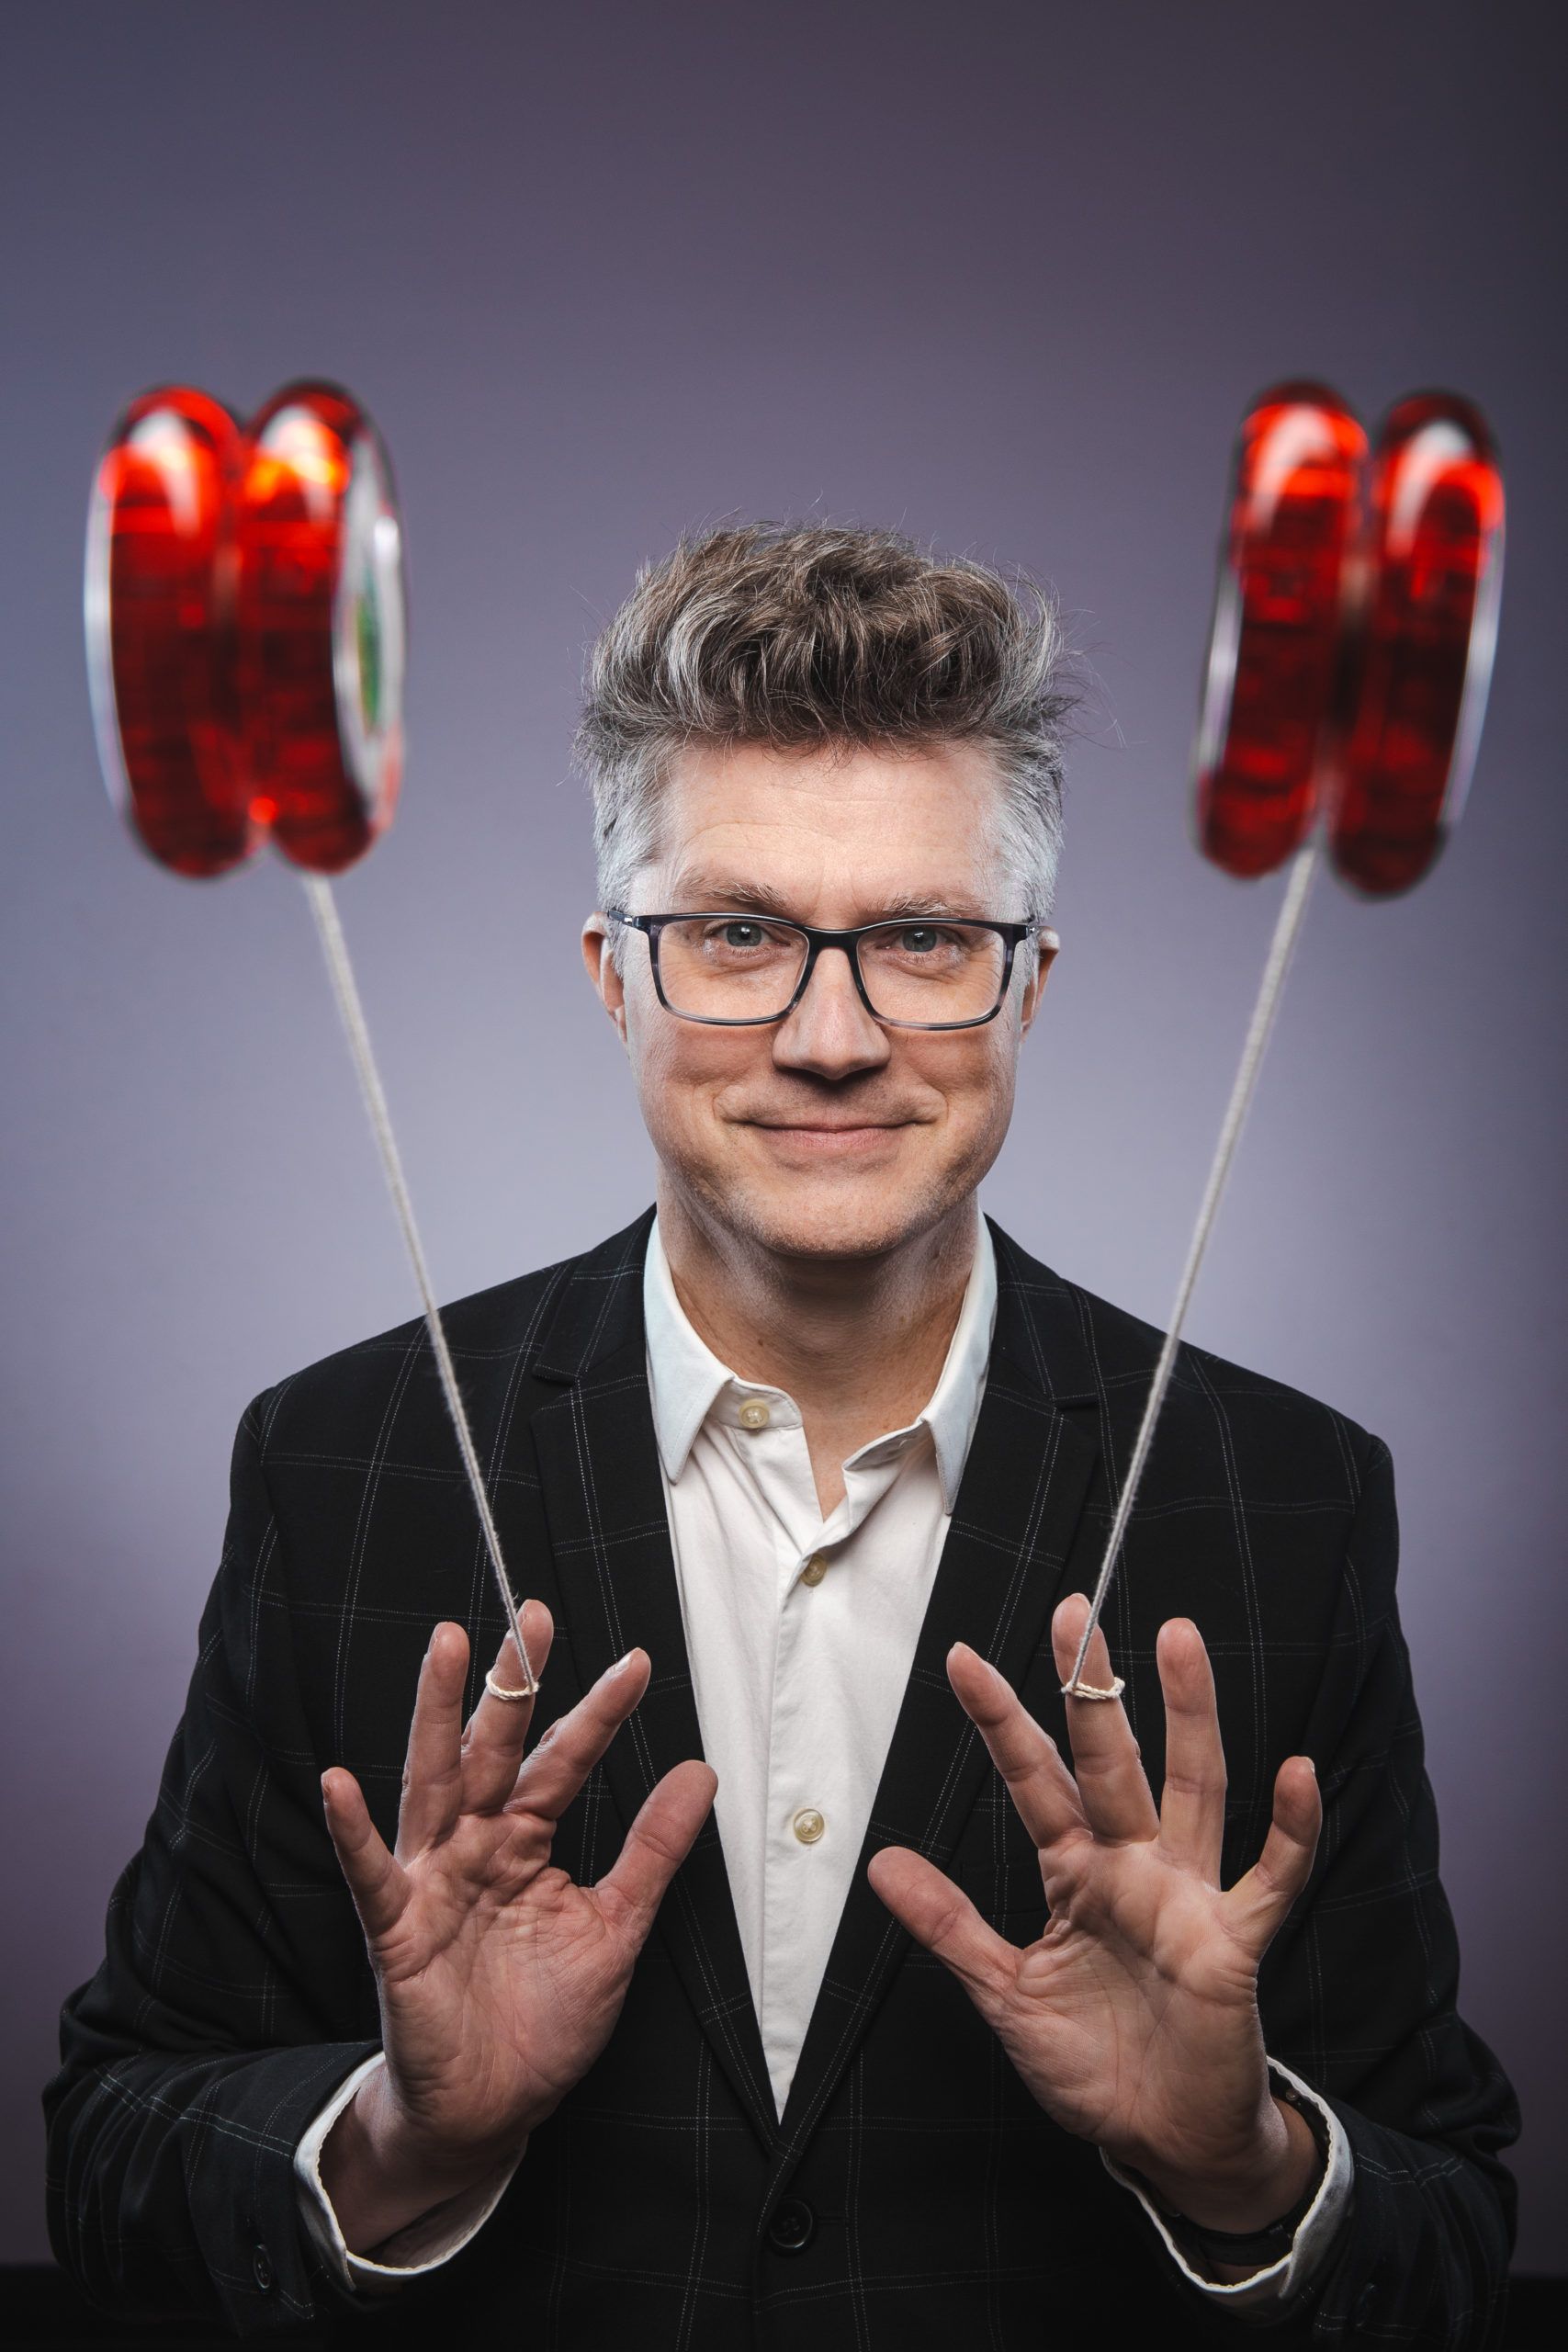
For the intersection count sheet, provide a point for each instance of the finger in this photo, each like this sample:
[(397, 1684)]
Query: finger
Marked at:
[(377, 1884), (1257, 1903), (433, 1773), (1026, 1758), (941, 1918), (555, 1772), (1192, 1802), (1113, 1787), (655, 1846), (497, 1728)]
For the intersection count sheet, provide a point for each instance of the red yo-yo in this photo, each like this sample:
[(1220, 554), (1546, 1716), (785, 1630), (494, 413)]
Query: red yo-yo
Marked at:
[(319, 625), (245, 633), (1275, 652), (1349, 664), (1428, 630), (160, 649)]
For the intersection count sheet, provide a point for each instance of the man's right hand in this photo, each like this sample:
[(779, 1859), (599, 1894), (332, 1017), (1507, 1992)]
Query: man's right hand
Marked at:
[(500, 1980)]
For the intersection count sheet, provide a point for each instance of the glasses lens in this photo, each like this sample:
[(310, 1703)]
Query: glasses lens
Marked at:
[(730, 968), (932, 971)]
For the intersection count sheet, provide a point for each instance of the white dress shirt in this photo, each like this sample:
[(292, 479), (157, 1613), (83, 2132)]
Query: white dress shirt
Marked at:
[(801, 1632)]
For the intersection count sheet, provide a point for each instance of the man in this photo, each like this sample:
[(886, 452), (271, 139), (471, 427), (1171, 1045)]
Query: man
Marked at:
[(818, 1975)]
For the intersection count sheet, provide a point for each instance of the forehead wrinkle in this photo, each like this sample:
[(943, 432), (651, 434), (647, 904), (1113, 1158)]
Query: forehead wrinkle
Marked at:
[(865, 843), (710, 893)]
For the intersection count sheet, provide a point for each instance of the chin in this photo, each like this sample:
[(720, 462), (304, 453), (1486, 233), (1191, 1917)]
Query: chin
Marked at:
[(827, 1220)]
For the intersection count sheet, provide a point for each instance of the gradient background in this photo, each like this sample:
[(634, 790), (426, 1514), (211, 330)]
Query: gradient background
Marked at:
[(1004, 277)]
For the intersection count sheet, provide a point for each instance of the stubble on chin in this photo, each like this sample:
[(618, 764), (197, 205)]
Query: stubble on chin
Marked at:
[(822, 1218)]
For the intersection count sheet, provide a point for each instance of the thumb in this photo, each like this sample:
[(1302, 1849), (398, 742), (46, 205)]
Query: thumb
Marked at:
[(658, 1842), (940, 1916)]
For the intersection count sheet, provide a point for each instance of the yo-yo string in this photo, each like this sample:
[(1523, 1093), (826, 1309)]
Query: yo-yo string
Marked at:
[(1287, 930), (318, 890)]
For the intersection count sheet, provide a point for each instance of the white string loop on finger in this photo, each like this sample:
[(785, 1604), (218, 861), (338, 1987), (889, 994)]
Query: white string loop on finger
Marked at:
[(334, 947), (500, 1691), (1287, 930)]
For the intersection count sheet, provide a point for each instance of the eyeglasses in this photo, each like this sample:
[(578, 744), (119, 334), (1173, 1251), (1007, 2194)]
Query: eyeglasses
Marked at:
[(740, 971)]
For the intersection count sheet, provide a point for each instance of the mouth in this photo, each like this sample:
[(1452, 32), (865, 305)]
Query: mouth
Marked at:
[(830, 1138)]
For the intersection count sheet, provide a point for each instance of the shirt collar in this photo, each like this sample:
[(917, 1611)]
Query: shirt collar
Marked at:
[(686, 1379)]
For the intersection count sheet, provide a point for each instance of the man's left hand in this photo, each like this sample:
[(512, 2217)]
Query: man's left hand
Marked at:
[(1133, 2019)]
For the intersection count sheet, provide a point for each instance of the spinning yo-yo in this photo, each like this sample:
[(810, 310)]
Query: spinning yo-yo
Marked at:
[(246, 631), (1350, 653)]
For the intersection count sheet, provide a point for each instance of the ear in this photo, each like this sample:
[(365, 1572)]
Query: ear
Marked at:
[(608, 984), (1048, 948)]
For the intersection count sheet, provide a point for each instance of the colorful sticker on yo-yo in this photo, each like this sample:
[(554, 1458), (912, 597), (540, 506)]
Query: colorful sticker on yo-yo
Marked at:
[(367, 630)]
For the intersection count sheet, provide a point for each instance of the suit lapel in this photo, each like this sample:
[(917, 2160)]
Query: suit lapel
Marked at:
[(1015, 1521), (609, 1533)]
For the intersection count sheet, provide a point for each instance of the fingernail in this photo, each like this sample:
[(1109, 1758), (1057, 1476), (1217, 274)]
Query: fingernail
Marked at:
[(622, 1662), (1312, 1767)]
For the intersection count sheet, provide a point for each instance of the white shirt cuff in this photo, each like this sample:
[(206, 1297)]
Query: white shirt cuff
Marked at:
[(423, 2245), (1315, 2231)]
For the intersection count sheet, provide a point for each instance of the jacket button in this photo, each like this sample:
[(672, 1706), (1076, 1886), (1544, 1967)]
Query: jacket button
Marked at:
[(1365, 2304), (261, 2270), (793, 2227)]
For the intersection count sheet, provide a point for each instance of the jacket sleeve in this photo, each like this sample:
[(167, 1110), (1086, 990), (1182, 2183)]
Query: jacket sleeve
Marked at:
[(233, 1993), (1358, 1994)]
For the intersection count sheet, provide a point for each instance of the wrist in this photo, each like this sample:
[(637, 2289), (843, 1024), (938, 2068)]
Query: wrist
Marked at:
[(1254, 2190), (405, 2155), (379, 2174)]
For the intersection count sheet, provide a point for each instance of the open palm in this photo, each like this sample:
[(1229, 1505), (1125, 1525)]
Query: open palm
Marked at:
[(500, 1979), (1133, 2019)]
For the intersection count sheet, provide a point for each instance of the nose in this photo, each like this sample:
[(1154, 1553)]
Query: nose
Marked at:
[(831, 1032)]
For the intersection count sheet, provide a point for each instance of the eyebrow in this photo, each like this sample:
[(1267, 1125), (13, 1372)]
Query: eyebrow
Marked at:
[(708, 893)]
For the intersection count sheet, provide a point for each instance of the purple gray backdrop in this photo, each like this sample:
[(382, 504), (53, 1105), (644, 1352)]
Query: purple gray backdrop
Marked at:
[(1004, 277)]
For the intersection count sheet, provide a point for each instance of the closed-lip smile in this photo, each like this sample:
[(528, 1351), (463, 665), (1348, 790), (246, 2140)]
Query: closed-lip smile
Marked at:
[(826, 1137)]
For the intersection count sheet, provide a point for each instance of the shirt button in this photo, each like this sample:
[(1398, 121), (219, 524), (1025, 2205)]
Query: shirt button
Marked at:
[(814, 1571), (809, 1824), (753, 1414)]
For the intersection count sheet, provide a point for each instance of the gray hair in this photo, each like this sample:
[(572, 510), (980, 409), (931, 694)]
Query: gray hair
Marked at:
[(807, 636)]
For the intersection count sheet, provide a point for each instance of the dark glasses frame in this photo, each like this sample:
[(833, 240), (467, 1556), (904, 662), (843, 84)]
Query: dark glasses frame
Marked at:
[(1011, 935)]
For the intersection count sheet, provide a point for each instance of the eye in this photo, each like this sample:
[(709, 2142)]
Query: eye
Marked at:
[(919, 938)]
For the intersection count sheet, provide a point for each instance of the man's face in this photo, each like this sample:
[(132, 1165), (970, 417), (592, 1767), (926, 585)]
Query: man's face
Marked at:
[(824, 1134)]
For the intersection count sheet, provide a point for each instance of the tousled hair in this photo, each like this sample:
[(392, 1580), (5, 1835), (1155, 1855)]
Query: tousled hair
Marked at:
[(806, 636)]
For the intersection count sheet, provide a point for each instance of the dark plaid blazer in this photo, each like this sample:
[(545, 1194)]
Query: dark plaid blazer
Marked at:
[(911, 2193)]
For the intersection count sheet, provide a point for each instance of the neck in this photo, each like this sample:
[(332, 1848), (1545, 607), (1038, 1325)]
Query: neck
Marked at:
[(857, 1342)]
